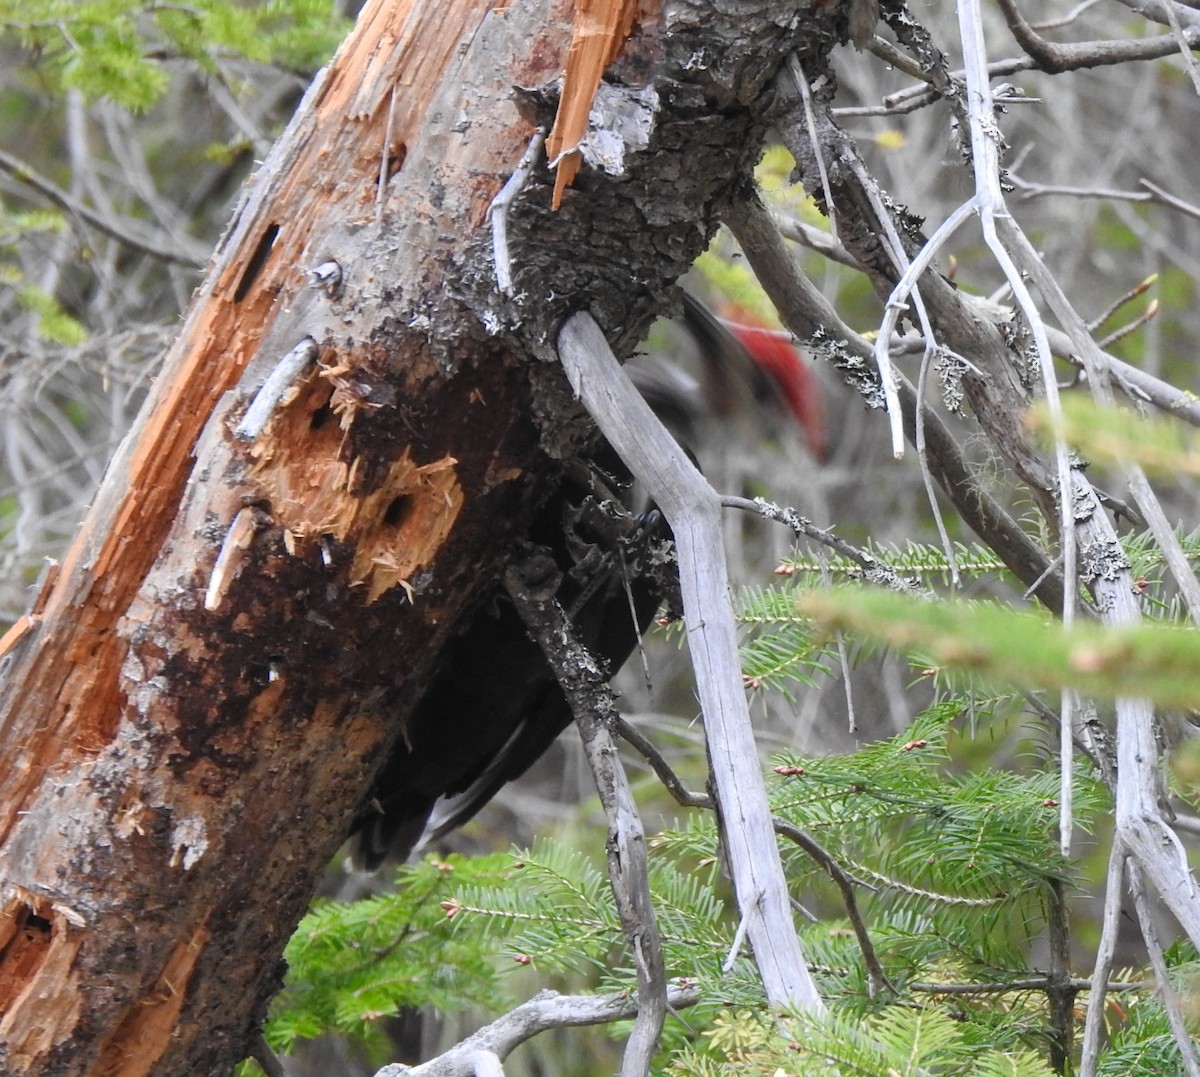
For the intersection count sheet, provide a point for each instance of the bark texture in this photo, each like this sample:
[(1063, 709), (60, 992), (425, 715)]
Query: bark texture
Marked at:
[(204, 691)]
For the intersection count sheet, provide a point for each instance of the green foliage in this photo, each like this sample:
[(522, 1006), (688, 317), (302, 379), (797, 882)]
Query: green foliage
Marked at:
[(780, 650), (956, 872), (1142, 1044), (555, 912), (922, 561), (960, 866), (52, 323), (122, 49), (1118, 436), (352, 963), (1027, 650), (907, 1042)]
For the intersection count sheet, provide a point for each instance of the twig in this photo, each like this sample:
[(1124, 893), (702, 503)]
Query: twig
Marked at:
[(1139, 289), (545, 1011), (813, 238), (989, 198), (1059, 57), (1185, 46), (267, 1060), (843, 656), (1030, 190), (897, 302), (282, 377), (1155, 11), (1068, 18), (922, 417), (385, 156), (1151, 193), (873, 570), (899, 59), (585, 685), (692, 508), (912, 98), (845, 883), (895, 246), (739, 936), (177, 250), (1055, 59), (1136, 384), (645, 748), (1166, 992), (1190, 823), (1130, 328), (1093, 1028), (1168, 199), (1029, 983), (1060, 992), (498, 210), (802, 88)]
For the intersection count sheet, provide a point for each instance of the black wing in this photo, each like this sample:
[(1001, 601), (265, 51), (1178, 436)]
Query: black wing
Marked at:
[(494, 706)]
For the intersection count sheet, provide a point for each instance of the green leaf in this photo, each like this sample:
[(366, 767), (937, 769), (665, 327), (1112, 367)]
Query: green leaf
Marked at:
[(1121, 436), (1028, 650)]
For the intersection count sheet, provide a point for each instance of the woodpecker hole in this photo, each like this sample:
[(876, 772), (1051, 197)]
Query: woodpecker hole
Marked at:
[(33, 922), (320, 417), (395, 160), (257, 260), (398, 511)]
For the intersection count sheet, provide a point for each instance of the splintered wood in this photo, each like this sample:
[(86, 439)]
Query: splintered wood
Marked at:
[(397, 525), (601, 28)]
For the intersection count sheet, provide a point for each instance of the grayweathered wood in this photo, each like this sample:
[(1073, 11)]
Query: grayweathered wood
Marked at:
[(693, 509), (546, 1010)]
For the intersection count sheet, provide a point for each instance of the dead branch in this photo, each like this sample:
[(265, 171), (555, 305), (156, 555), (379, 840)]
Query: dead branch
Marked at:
[(585, 684), (692, 508), (1055, 59), (811, 317), (545, 1011)]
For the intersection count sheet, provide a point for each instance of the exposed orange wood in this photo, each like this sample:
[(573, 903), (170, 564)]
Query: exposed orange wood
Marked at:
[(600, 29), (139, 1042), (183, 765), (16, 632), (397, 527), (88, 679), (39, 943), (117, 544)]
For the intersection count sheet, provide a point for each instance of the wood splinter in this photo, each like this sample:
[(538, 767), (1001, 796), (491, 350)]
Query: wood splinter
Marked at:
[(498, 210), (268, 398), (233, 550)]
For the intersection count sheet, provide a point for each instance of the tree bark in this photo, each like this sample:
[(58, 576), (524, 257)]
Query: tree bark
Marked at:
[(198, 702)]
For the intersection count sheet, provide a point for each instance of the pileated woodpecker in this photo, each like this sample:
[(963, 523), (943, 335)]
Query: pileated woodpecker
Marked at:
[(494, 704)]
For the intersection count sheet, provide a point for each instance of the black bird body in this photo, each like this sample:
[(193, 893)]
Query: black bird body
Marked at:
[(494, 705)]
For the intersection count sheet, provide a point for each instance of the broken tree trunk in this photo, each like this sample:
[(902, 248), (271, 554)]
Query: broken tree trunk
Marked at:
[(350, 429)]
